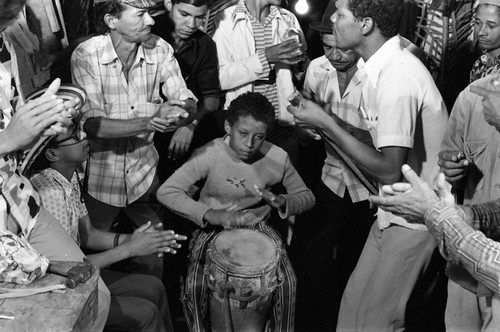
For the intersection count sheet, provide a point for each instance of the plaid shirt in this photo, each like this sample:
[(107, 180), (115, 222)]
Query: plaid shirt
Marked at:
[(322, 83), (122, 169), (461, 236)]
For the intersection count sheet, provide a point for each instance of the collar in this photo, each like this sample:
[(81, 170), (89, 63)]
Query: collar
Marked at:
[(327, 65), (66, 185), (373, 66), (109, 54), (241, 12)]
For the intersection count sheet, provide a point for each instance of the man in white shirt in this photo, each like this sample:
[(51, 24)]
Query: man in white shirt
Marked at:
[(399, 99)]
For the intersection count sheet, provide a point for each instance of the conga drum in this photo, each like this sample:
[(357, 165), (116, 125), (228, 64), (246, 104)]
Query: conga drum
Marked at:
[(243, 272)]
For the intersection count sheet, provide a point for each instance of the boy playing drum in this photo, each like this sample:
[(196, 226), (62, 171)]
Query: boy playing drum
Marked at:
[(237, 171)]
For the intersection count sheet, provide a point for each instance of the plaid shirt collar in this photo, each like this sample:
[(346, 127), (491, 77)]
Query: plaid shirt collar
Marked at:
[(109, 54)]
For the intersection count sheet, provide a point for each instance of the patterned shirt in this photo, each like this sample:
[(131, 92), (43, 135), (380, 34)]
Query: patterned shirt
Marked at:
[(263, 34), (122, 169), (61, 198), (484, 66), (460, 243), (19, 202), (322, 83)]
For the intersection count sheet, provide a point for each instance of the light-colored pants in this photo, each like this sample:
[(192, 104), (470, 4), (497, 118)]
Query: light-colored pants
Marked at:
[(50, 239), (465, 312), (377, 292)]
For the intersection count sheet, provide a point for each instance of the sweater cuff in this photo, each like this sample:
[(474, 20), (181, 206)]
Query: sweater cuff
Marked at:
[(286, 213)]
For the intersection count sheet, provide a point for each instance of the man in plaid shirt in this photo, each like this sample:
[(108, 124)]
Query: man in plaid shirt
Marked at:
[(345, 216), (127, 72)]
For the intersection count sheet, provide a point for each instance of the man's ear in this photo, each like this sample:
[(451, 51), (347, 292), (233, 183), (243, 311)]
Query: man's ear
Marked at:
[(168, 5), (367, 25), (52, 155), (110, 21), (227, 127)]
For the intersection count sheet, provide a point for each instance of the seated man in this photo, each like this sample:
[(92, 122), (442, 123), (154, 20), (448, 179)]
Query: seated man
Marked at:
[(20, 209), (238, 171), (138, 301)]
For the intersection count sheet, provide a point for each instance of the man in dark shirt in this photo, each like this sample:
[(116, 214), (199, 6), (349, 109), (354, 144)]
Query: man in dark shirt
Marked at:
[(196, 54)]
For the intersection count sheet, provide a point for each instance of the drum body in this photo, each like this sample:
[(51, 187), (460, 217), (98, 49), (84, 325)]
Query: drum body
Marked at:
[(243, 271)]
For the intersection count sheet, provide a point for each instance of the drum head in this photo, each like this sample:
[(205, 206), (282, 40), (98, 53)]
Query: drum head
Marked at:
[(245, 248)]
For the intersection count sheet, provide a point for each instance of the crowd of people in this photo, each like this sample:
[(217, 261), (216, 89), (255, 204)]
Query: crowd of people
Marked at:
[(183, 135)]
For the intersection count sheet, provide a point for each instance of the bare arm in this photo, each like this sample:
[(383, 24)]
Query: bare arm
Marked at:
[(144, 241), (384, 166)]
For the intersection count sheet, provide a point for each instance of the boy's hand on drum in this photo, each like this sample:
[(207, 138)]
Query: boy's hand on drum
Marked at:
[(228, 218), (274, 200), (147, 240)]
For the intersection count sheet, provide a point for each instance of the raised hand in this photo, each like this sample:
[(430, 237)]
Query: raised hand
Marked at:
[(453, 164), (289, 52), (270, 198), (169, 116)]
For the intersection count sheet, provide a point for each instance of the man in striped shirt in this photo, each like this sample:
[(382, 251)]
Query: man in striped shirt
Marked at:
[(127, 72)]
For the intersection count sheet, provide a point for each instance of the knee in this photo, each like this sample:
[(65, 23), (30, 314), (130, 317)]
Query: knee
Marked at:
[(146, 317), (152, 289)]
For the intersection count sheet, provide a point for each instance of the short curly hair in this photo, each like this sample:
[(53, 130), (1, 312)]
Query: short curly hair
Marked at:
[(386, 14), (251, 103)]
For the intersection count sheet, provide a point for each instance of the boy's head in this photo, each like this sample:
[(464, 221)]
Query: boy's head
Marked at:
[(247, 120), (68, 150), (186, 15)]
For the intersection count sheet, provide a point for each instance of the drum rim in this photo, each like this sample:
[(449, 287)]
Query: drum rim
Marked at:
[(238, 270)]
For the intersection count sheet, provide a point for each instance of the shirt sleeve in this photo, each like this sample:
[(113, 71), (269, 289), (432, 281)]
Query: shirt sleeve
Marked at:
[(235, 72), (460, 243), (298, 197), (173, 193), (485, 218), (454, 135), (174, 86), (397, 113), (53, 200), (83, 75), (208, 75)]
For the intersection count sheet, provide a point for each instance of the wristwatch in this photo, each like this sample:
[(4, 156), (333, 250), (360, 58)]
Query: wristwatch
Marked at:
[(195, 123)]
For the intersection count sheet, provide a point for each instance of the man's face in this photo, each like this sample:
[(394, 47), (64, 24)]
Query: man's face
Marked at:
[(487, 27), (340, 59), (187, 18), (346, 28), (134, 24)]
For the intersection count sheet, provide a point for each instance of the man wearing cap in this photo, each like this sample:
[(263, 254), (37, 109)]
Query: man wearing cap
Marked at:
[(345, 214), (487, 35), (469, 159), (127, 72)]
